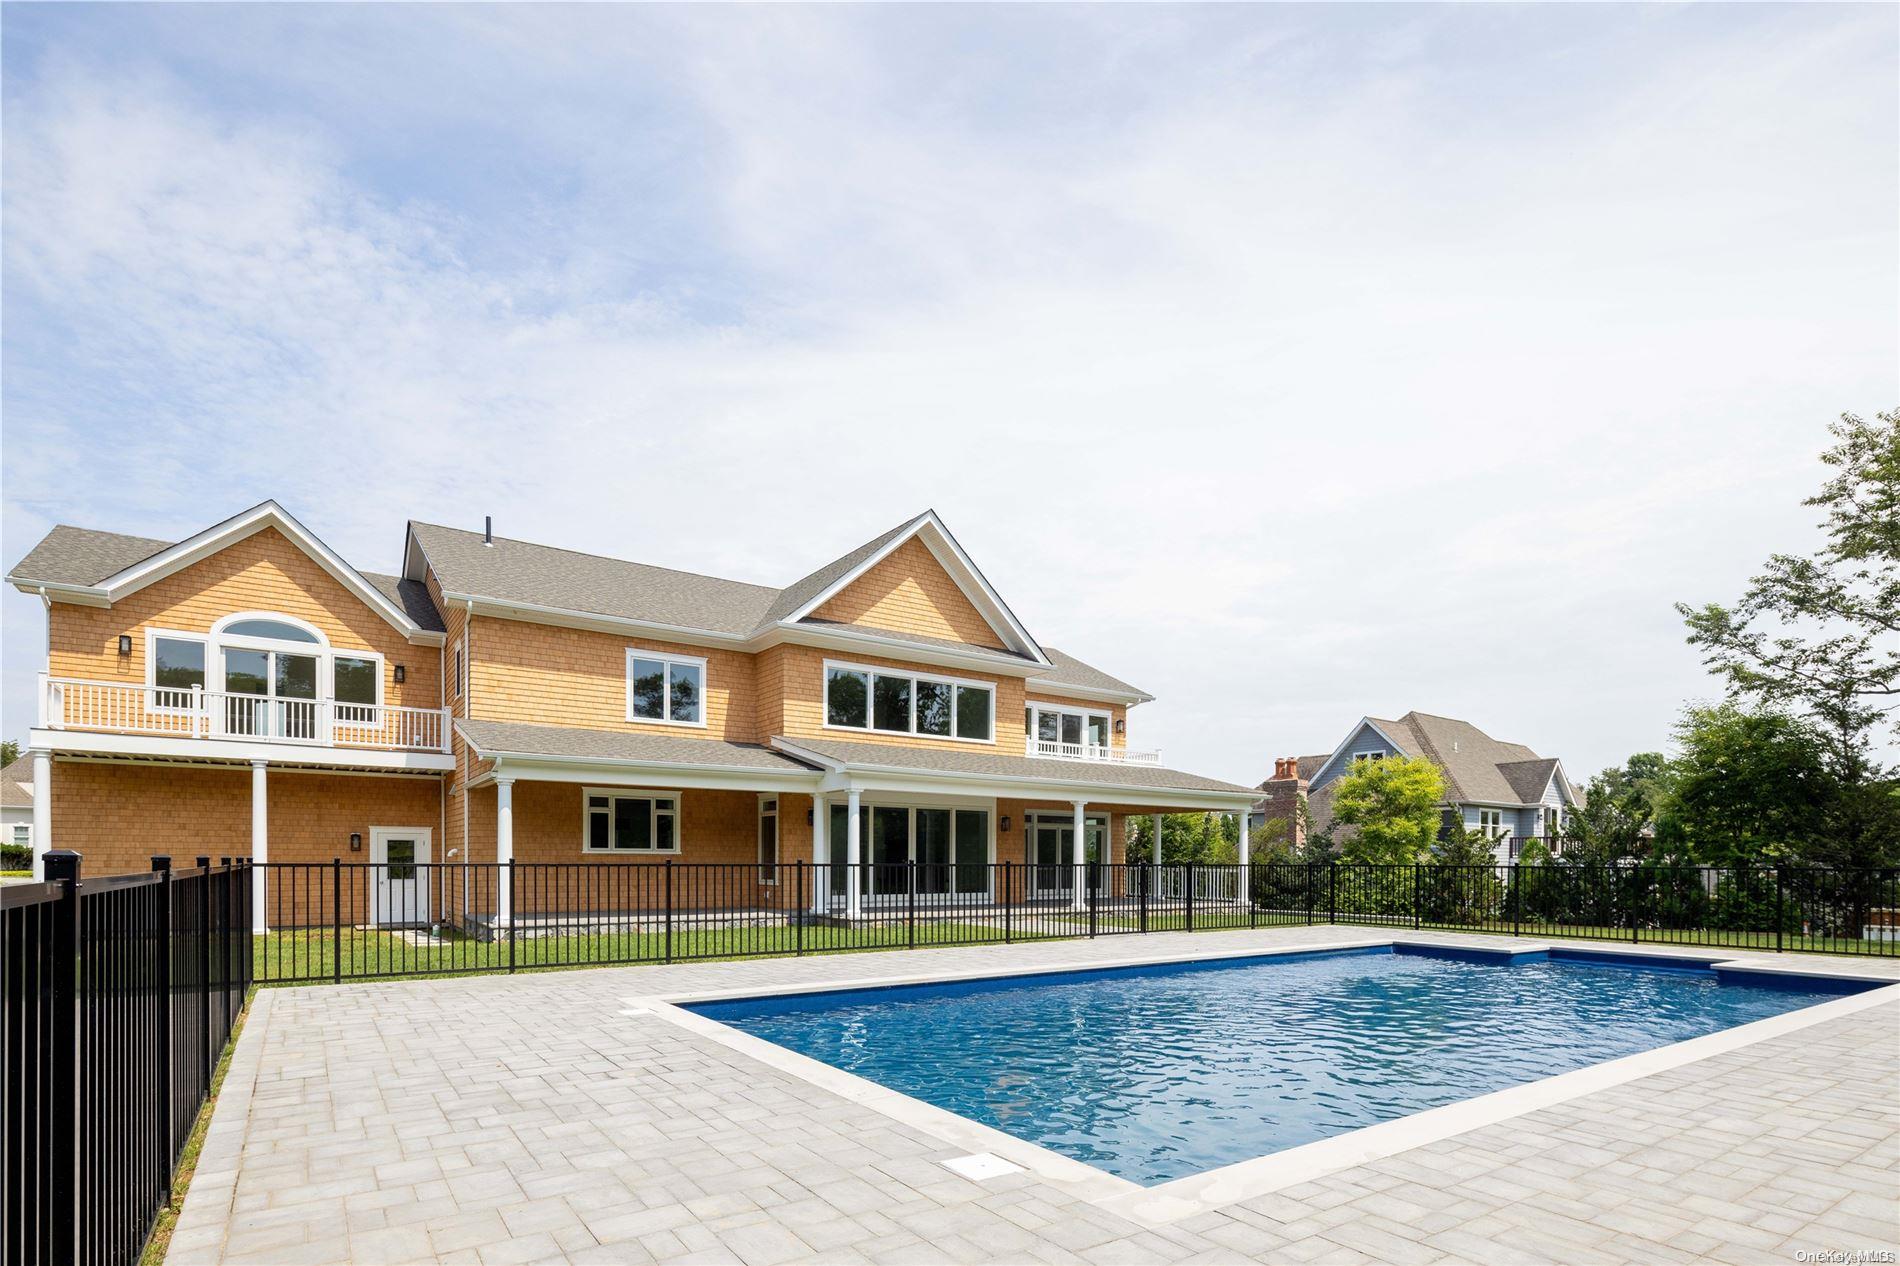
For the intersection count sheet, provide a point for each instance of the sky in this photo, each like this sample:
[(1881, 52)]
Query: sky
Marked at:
[(1293, 363)]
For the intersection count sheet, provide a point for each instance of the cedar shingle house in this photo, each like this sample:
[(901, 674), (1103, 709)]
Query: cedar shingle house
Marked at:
[(248, 692), (1503, 789)]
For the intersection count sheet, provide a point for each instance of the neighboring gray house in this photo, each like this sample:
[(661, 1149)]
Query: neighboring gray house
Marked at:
[(1503, 789), (16, 802)]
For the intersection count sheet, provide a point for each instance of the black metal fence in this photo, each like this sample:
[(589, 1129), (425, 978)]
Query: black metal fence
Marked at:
[(348, 921), (120, 994)]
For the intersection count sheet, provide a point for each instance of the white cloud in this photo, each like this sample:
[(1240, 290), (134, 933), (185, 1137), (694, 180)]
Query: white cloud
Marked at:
[(1264, 366)]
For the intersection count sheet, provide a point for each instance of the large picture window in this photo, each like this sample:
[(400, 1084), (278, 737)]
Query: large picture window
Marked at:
[(669, 689), (951, 849), (630, 822), (885, 702), (265, 675), (1071, 727)]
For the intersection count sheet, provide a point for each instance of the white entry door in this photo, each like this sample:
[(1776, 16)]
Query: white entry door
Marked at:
[(399, 876)]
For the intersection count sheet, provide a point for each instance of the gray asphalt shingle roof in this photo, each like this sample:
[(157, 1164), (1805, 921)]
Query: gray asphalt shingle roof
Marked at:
[(80, 556), (14, 780), (958, 760), (562, 742), (1070, 671)]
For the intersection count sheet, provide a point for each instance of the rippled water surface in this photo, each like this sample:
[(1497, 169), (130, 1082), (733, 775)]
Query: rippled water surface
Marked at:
[(1157, 1073)]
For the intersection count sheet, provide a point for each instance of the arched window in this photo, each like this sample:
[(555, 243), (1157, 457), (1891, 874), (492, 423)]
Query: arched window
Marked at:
[(267, 674), (275, 630)]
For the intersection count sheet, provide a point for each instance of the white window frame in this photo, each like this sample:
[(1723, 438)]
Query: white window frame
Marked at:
[(768, 808), (21, 834), (1108, 731), (1494, 829), (215, 643), (669, 658), (672, 798), (912, 802), (1371, 754), (913, 676)]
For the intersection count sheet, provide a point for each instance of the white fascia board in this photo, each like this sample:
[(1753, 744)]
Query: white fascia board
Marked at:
[(1021, 787), (220, 536), (53, 591), (1361, 724), (1097, 694), (236, 751), (604, 772), (837, 637)]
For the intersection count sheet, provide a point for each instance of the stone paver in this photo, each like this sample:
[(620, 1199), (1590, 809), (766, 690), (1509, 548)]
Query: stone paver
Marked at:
[(527, 1119)]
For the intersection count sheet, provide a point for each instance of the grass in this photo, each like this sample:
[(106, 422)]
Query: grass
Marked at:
[(167, 1221)]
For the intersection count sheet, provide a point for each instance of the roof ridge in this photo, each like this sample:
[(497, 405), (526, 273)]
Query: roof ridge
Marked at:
[(605, 558)]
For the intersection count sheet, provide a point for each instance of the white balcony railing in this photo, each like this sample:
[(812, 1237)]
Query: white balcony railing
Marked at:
[(1049, 749), (68, 703)]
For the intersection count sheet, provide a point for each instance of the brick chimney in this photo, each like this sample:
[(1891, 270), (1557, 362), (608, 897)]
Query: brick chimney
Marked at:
[(1281, 796)]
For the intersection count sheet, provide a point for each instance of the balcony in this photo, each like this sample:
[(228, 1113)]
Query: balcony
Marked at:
[(68, 703), (1048, 749)]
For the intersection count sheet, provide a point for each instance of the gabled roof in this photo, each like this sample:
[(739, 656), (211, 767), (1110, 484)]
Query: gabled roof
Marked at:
[(14, 781), (559, 582), (1477, 768), (82, 565)]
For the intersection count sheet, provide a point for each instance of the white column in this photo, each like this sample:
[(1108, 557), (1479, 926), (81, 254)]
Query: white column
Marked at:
[(1078, 893), (853, 904), (820, 855), (1154, 863), (504, 848), (1246, 858), (42, 811), (260, 844)]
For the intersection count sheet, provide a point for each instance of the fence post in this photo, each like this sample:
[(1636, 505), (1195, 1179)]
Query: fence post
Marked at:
[(163, 866), (204, 962), (910, 904), (1006, 935), (1092, 874), (1188, 876), (1778, 919), (1416, 907), (798, 911), (1246, 892), (1332, 892), (1309, 894), (1517, 903), (1145, 881), (229, 904), (668, 956), (514, 915), (336, 919), (62, 1063)]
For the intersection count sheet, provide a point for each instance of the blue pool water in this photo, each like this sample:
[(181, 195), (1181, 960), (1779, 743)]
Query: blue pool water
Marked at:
[(1155, 1073)]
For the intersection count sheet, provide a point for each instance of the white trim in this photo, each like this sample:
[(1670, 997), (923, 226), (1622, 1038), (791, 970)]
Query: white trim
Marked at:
[(913, 676), (219, 634), (220, 536), (667, 658), (1088, 694), (379, 837), (769, 808), (1036, 708), (1353, 733), (152, 636), (236, 751), (984, 598), (654, 799)]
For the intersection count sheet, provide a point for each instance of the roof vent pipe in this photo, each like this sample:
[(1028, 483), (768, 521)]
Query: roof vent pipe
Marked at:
[(488, 529)]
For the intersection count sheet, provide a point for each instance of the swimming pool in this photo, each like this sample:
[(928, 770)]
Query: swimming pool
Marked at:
[(1154, 1073)]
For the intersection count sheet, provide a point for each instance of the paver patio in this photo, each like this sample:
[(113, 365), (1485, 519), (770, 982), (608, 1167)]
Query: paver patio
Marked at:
[(529, 1118)]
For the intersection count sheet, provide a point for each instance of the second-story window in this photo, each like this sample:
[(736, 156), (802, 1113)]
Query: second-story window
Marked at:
[(666, 688), (178, 664), (906, 703), (1060, 728)]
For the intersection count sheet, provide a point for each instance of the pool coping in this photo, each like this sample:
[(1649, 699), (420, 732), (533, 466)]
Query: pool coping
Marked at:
[(1179, 1198)]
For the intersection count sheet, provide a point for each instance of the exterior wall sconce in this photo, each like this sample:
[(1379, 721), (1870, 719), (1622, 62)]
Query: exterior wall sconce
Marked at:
[(811, 815), (402, 674), (1121, 723), (125, 643), (356, 841), (1005, 824)]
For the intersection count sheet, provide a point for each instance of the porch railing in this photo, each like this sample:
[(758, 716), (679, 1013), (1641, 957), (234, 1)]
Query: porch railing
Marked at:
[(1049, 749), (71, 703), (349, 920)]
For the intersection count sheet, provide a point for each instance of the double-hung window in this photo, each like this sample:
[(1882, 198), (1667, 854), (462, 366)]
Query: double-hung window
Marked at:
[(630, 822), (1491, 822), (889, 702), (666, 688)]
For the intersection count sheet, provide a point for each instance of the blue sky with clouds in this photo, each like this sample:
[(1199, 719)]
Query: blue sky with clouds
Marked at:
[(1293, 362)]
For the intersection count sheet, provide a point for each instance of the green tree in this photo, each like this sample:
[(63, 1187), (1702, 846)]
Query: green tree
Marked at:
[(1186, 837), (9, 751), (1621, 810), (1750, 787), (1392, 806), (1821, 635)]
